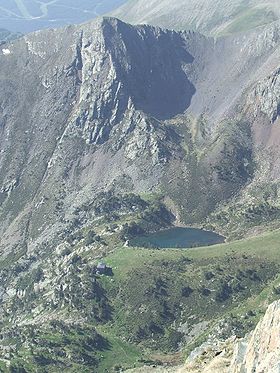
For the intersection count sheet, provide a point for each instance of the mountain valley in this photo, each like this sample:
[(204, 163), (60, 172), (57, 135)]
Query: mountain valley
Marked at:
[(109, 131)]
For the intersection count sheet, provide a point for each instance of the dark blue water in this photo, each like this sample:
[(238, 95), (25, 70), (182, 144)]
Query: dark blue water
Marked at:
[(178, 238)]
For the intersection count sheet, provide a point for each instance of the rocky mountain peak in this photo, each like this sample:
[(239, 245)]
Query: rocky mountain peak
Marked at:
[(95, 95), (143, 66), (104, 128), (106, 100)]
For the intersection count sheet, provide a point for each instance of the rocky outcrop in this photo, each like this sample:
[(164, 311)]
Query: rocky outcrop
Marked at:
[(118, 78), (261, 351), (265, 97), (87, 100), (257, 353), (210, 358)]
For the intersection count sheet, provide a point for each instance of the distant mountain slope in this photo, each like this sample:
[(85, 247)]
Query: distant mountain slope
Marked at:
[(6, 35), (30, 15), (213, 17)]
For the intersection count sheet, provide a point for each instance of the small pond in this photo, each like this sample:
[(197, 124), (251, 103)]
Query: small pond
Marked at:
[(178, 238)]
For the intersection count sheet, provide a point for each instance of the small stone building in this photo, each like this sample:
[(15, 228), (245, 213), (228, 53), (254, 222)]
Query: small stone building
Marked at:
[(101, 268)]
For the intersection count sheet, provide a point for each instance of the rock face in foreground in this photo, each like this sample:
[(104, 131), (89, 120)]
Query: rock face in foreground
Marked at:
[(262, 351), (257, 353)]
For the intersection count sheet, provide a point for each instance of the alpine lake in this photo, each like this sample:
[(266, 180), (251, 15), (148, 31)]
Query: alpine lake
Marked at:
[(177, 237)]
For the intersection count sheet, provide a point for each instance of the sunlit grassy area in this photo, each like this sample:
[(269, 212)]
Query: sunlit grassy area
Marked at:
[(249, 19), (173, 286), (265, 246)]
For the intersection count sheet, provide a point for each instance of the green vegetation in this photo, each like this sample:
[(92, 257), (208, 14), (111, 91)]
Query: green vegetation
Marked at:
[(216, 167), (73, 318), (249, 19), (127, 214), (257, 208), (57, 345), (161, 289)]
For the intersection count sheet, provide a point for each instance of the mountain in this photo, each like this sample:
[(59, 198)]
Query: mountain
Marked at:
[(217, 17), (30, 15), (6, 35), (108, 131), (134, 109)]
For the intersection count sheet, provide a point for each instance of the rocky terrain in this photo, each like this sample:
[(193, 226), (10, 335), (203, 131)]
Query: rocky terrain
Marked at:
[(110, 130), (209, 17), (258, 352), (99, 115)]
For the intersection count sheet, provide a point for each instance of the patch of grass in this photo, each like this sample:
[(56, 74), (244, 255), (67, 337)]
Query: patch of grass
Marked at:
[(125, 259), (120, 355), (249, 19)]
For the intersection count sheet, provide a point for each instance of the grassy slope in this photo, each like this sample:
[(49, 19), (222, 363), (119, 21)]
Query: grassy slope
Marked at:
[(256, 253), (147, 287), (249, 19), (124, 260)]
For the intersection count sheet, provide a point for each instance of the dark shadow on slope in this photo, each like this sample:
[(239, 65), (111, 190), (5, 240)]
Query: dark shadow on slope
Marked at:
[(151, 63)]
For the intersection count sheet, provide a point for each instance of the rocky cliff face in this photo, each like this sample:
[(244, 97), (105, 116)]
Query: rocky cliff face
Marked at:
[(265, 97), (108, 105), (261, 351), (80, 111)]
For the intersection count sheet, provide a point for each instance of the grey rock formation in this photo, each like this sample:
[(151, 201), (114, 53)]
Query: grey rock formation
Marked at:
[(261, 351), (80, 111), (265, 98), (257, 353), (107, 105)]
